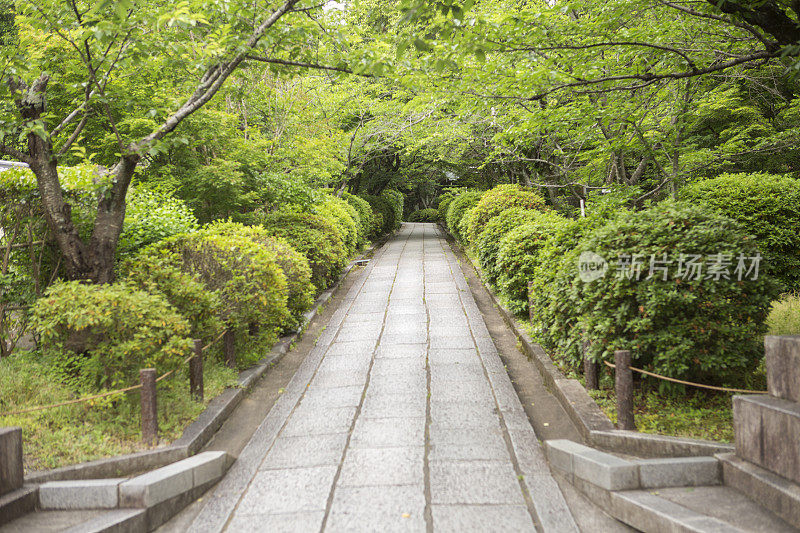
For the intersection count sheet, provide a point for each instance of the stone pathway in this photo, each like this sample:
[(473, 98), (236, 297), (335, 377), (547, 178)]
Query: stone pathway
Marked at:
[(402, 418)]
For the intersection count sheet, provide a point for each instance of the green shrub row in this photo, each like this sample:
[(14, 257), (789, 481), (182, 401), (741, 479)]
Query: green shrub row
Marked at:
[(707, 327), (424, 215), (255, 280)]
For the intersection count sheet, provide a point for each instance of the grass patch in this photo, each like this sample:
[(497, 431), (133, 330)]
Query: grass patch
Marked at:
[(784, 316), (103, 428), (695, 414)]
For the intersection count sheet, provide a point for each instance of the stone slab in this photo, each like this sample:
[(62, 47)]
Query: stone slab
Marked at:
[(500, 518), (80, 494), (474, 483), (679, 472), (605, 470), (11, 471), (782, 359)]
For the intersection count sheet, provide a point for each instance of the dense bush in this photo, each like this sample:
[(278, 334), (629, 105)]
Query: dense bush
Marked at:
[(152, 216), (488, 244), (385, 212), (99, 336), (444, 202), (343, 217), (518, 256), (295, 266), (158, 273), (784, 316), (366, 218), (424, 215), (396, 200), (247, 277), (768, 207), (495, 201), (315, 238), (458, 208), (705, 329)]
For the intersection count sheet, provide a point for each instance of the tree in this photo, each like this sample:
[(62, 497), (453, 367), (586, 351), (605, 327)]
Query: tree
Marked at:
[(202, 43)]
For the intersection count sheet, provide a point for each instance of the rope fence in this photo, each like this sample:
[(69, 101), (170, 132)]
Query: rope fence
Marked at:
[(623, 386), (148, 383)]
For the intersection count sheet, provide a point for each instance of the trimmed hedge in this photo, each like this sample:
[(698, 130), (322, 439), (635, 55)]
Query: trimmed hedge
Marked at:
[(294, 265), (444, 202), (517, 256), (343, 217), (768, 207), (396, 200), (424, 215), (458, 208), (314, 237), (365, 214), (706, 329), (488, 244), (98, 336), (385, 213), (494, 202)]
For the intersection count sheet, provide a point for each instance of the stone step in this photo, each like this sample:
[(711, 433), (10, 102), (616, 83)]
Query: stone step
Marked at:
[(82, 521)]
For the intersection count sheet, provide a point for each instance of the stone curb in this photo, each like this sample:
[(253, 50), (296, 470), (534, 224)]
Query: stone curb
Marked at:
[(608, 472), (199, 432), (593, 425)]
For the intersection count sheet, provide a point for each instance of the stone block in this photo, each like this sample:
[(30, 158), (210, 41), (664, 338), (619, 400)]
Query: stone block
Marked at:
[(767, 432), (208, 466), (157, 486), (80, 494), (782, 358), (560, 453), (605, 470), (11, 474), (679, 472)]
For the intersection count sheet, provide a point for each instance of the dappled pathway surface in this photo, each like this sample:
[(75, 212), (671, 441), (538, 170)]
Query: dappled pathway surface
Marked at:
[(402, 418)]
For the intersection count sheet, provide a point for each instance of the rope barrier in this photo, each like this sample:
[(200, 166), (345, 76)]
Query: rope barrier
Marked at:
[(105, 394), (691, 384)]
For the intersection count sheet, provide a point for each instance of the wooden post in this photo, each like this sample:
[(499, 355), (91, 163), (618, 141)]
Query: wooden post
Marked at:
[(149, 406), (623, 379), (196, 387), (590, 368), (229, 348)]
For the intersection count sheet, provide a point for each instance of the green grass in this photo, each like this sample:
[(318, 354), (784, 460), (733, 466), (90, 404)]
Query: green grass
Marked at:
[(695, 414), (87, 431), (784, 317)]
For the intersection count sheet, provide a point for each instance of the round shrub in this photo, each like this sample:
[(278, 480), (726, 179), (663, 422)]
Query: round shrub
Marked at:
[(497, 200), (518, 256), (488, 244), (396, 200), (458, 207), (99, 336), (687, 326), (152, 216), (768, 207), (247, 277), (384, 210), (343, 217), (365, 215), (424, 215), (157, 273), (444, 202), (314, 237), (293, 264)]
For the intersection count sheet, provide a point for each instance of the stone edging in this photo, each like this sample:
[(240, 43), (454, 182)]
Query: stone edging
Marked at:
[(593, 425), (199, 432)]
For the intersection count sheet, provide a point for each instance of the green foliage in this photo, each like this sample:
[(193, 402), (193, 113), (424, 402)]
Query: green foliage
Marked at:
[(768, 207), (703, 329), (488, 244), (247, 277), (343, 217), (157, 273), (458, 208), (518, 256), (315, 238), (424, 215), (494, 202), (293, 264), (152, 216), (366, 219), (99, 336), (784, 316), (396, 200), (444, 203), (385, 211)]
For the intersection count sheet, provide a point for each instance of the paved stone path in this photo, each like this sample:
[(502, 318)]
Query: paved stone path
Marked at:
[(402, 418)]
